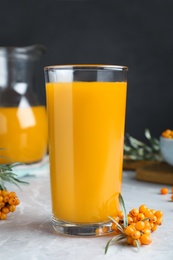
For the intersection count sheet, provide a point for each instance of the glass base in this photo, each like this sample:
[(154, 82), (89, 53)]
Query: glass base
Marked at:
[(78, 229)]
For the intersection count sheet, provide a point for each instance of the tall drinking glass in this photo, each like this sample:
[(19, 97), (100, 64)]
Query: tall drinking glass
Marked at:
[(86, 116)]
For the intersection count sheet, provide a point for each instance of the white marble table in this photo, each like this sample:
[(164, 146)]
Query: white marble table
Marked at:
[(27, 234)]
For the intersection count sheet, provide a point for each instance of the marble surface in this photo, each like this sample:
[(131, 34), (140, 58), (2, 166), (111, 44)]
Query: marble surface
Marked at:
[(27, 234)]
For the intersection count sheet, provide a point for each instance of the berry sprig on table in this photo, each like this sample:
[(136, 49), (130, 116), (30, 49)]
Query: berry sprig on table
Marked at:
[(8, 203), (136, 226), (8, 200)]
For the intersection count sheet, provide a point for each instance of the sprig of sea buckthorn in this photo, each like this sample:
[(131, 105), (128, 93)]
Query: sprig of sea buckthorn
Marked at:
[(136, 226), (8, 203), (8, 200)]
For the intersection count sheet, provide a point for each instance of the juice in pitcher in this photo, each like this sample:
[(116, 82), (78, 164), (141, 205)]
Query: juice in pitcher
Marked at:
[(23, 134), (23, 118), (86, 137)]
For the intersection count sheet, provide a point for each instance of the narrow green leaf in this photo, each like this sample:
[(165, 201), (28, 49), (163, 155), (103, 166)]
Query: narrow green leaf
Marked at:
[(122, 204), (147, 134), (113, 240), (138, 245)]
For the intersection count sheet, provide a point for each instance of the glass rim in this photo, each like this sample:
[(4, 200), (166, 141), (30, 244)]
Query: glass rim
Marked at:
[(102, 67)]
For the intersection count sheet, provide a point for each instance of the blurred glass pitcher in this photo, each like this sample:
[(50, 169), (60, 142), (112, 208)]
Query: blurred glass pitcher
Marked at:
[(23, 120)]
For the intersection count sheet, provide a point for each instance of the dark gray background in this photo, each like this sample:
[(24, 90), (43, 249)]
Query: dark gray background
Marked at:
[(138, 34)]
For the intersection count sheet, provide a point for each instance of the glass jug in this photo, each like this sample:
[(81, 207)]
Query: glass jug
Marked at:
[(23, 120)]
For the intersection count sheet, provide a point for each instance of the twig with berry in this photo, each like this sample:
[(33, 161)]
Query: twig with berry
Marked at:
[(8, 200), (136, 226)]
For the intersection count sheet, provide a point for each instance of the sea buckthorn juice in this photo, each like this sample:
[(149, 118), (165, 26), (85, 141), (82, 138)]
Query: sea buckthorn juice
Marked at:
[(86, 115)]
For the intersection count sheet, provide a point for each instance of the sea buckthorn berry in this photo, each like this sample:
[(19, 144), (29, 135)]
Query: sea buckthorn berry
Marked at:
[(159, 221), (2, 204), (140, 216), (142, 208), (151, 225), (135, 234), (129, 230), (153, 219), (129, 240), (147, 224), (134, 212), (158, 214), (12, 208), (172, 189), (6, 199), (12, 194), (129, 220), (140, 225), (17, 201), (145, 239), (5, 210), (164, 191), (12, 201), (172, 197), (152, 211), (135, 219), (1, 198), (154, 228), (148, 214), (3, 216), (146, 231), (4, 193)]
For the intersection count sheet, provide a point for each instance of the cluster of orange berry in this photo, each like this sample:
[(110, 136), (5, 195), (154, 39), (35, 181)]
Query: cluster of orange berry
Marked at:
[(8, 203), (164, 191), (168, 133), (141, 222)]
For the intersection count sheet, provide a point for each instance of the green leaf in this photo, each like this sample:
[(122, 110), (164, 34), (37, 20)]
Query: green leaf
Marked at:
[(147, 134), (137, 150), (113, 240), (122, 205), (8, 175), (138, 245)]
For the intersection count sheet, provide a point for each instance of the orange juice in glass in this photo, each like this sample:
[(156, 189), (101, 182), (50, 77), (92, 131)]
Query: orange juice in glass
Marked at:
[(86, 116)]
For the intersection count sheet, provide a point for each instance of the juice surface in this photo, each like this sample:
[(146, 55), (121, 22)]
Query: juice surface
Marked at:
[(23, 134), (86, 128)]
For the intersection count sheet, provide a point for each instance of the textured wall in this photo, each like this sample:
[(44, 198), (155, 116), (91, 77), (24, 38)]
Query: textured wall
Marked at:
[(135, 33)]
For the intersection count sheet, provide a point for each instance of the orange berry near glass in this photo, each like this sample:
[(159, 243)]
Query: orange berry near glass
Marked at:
[(164, 191), (135, 234), (145, 239), (159, 214), (140, 225), (134, 212), (142, 208)]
